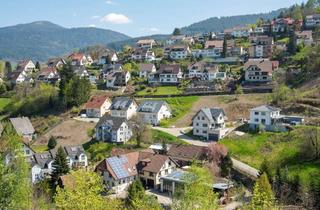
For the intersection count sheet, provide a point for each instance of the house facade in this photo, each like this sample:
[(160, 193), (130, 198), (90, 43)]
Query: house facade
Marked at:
[(42, 163), (146, 69), (26, 66), (113, 129), (266, 116), (167, 74), (312, 21), (117, 79), (260, 70), (152, 111), (179, 52), (97, 106), (146, 43), (49, 75), (261, 46), (304, 37), (123, 108), (209, 123), (205, 71)]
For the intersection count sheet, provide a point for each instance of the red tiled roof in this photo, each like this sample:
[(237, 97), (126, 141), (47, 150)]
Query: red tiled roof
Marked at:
[(154, 163), (169, 69), (263, 64), (96, 102), (76, 56)]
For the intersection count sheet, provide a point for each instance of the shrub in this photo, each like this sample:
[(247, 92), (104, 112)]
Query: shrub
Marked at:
[(52, 143)]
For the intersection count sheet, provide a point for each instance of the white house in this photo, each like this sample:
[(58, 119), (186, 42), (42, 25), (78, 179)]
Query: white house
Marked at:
[(260, 70), (179, 52), (42, 163), (123, 108), (113, 129), (120, 171), (205, 71), (312, 21), (49, 75), (142, 54), (146, 69), (146, 43), (266, 116), (304, 37), (167, 74), (152, 111), (240, 32), (209, 123), (56, 63), (116, 79), (18, 77), (109, 57), (97, 106), (78, 59), (26, 66)]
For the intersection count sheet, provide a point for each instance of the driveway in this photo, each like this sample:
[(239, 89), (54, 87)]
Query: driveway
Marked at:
[(178, 132)]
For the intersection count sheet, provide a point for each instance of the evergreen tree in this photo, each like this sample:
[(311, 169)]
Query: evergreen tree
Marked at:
[(135, 192), (263, 197), (38, 66), (66, 74), (225, 48), (52, 143), (292, 45), (60, 166), (176, 32), (7, 68)]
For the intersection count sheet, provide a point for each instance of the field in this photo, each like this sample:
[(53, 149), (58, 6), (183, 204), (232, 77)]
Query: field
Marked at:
[(180, 107), (280, 149), (69, 132), (165, 90), (233, 108), (158, 136)]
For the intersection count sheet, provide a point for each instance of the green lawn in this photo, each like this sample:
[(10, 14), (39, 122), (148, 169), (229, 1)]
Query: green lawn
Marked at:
[(280, 149), (179, 106), (165, 90), (3, 103), (39, 148)]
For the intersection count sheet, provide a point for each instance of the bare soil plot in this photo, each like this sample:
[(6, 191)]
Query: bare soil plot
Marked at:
[(68, 133), (235, 109)]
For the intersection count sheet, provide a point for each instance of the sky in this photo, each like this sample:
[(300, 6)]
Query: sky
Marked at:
[(131, 17)]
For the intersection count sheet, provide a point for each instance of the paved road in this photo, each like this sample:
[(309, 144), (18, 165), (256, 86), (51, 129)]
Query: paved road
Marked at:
[(237, 165)]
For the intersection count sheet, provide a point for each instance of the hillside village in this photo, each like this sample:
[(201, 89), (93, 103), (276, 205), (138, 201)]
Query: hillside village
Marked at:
[(203, 121)]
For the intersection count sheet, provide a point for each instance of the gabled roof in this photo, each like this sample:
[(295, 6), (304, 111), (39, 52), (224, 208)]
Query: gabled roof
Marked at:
[(22, 125), (74, 151), (77, 56), (155, 163), (48, 70), (114, 122), (22, 64), (151, 106), (146, 41), (266, 108), (214, 44), (148, 67), (52, 62), (122, 103), (304, 34), (112, 67), (14, 75), (96, 102), (187, 152), (169, 69), (264, 64), (211, 113)]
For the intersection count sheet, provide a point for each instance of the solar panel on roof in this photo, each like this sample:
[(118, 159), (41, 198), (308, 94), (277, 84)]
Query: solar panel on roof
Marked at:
[(117, 166)]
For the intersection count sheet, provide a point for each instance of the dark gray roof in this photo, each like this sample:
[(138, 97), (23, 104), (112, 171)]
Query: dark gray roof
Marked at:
[(151, 106), (42, 159), (22, 125), (112, 67), (114, 122), (212, 113), (121, 103), (74, 151)]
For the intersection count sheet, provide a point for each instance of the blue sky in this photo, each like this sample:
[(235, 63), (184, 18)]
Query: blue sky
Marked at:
[(132, 17)]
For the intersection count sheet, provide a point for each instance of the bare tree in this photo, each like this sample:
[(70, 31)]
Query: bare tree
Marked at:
[(141, 131), (215, 154)]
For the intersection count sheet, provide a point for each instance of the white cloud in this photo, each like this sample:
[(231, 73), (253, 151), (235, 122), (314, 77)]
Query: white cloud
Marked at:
[(115, 19), (95, 17), (92, 25), (110, 2)]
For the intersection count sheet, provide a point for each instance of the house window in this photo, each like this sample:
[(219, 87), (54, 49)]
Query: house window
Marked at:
[(205, 125), (263, 113), (150, 174), (256, 113), (204, 132), (202, 118), (263, 121), (256, 120)]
